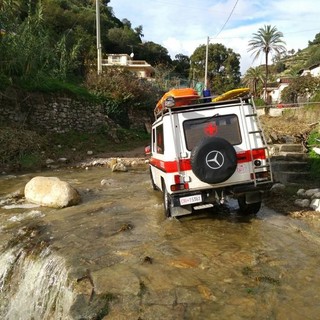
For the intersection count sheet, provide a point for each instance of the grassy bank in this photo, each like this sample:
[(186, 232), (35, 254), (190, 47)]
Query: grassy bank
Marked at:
[(24, 150)]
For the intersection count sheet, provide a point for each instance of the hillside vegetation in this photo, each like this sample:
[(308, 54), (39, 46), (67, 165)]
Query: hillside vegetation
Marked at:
[(289, 63), (49, 46)]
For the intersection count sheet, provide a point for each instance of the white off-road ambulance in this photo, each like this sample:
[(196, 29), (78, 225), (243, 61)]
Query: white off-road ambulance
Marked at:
[(204, 150)]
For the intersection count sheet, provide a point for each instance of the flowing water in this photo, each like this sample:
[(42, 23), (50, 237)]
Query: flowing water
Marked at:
[(115, 256)]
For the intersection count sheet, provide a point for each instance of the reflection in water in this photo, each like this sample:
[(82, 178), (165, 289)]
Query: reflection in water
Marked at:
[(119, 249)]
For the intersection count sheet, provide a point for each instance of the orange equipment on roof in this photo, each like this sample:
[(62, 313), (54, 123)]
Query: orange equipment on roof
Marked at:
[(182, 97)]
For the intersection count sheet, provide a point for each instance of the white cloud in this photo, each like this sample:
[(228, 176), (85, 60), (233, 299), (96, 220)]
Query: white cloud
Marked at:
[(182, 26)]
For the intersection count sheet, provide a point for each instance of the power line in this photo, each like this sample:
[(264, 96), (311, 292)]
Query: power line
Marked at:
[(228, 18)]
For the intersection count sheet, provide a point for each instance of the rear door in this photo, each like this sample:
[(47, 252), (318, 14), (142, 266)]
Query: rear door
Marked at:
[(226, 123)]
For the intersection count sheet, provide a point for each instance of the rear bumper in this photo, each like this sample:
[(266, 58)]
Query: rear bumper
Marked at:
[(250, 187), (208, 195)]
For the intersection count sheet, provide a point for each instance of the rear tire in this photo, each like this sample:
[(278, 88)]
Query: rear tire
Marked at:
[(248, 208), (166, 201)]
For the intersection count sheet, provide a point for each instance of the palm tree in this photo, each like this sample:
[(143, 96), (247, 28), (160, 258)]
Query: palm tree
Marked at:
[(252, 77), (266, 40)]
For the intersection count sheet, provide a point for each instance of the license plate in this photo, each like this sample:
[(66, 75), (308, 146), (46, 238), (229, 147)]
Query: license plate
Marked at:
[(190, 200)]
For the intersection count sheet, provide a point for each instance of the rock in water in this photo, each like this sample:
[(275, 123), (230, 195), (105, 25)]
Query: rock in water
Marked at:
[(51, 192), (119, 166)]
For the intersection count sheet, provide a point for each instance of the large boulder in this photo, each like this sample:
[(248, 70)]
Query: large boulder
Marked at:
[(51, 192)]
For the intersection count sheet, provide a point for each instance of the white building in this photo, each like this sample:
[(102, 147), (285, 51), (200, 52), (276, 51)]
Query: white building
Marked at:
[(274, 90), (140, 67), (313, 71)]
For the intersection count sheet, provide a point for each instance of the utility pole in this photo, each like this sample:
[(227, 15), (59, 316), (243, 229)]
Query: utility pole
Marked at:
[(206, 66), (99, 54)]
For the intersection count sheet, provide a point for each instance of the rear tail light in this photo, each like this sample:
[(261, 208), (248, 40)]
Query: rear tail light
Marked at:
[(177, 179), (259, 154), (178, 187), (179, 184), (255, 155)]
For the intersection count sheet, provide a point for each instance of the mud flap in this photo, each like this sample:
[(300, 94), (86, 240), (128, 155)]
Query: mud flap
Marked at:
[(181, 211)]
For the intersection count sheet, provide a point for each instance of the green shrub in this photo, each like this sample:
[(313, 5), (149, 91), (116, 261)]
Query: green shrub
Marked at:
[(99, 142), (49, 85), (31, 161), (4, 81), (122, 91), (20, 148), (314, 158), (316, 97), (259, 102)]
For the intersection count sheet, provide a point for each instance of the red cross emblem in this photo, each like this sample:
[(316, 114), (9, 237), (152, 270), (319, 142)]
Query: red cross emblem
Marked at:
[(211, 129)]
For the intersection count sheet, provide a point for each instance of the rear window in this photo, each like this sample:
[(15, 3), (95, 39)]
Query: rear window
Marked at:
[(226, 127)]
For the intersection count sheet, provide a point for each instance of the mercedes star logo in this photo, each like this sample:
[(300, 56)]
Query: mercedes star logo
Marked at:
[(215, 159)]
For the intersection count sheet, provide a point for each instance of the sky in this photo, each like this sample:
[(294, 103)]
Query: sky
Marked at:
[(181, 26)]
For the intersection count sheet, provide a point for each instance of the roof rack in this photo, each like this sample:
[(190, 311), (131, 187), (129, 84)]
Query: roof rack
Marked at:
[(188, 98)]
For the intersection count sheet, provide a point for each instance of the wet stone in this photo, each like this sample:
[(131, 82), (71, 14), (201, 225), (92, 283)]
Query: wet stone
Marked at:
[(91, 307), (119, 167), (188, 295), (51, 192), (316, 195), (206, 293), (303, 203), (116, 280), (311, 192), (315, 204), (116, 314), (124, 307), (163, 297), (243, 308), (157, 312), (211, 310)]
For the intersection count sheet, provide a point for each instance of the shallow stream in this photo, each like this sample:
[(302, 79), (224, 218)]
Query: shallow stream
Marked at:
[(115, 256)]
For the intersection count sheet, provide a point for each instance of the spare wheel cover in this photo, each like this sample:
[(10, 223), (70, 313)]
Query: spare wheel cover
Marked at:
[(213, 160)]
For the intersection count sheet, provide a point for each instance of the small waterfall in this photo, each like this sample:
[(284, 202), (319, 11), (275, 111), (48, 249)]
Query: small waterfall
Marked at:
[(34, 287)]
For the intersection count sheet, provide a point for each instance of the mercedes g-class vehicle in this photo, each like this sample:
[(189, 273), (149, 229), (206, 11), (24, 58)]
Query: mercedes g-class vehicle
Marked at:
[(206, 149)]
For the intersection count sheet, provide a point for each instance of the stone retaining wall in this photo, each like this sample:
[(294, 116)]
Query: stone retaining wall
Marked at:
[(58, 114), (310, 115), (64, 114)]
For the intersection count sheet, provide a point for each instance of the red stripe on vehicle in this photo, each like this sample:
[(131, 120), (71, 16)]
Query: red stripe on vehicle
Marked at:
[(171, 166), (245, 156), (185, 164)]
